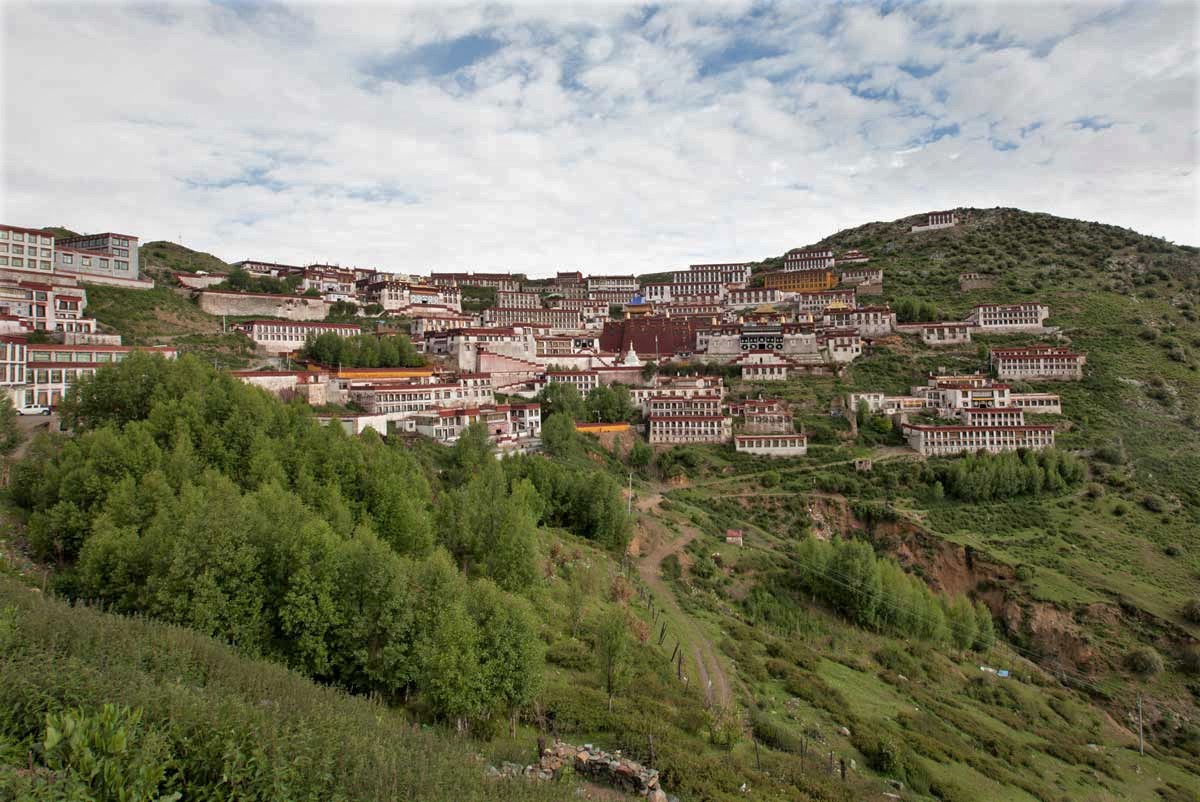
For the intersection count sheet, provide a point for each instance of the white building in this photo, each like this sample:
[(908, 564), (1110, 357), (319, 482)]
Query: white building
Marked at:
[(285, 336), (1043, 362), (26, 249), (954, 440), (801, 259), (772, 445), (938, 220), (1000, 318), (946, 334)]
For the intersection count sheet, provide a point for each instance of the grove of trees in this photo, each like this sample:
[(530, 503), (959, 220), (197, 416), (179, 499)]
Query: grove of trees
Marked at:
[(193, 498), (877, 593), (363, 351), (985, 476)]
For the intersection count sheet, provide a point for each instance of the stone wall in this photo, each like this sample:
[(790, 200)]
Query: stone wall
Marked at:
[(593, 764), (288, 307)]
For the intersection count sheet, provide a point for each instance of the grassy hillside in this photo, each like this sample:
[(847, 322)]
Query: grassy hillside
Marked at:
[(58, 232), (176, 258), (162, 316), (213, 724)]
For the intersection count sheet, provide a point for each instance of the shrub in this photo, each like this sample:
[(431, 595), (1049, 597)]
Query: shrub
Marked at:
[(1191, 610), (771, 733), (670, 567), (1145, 661), (1154, 503), (1189, 660)]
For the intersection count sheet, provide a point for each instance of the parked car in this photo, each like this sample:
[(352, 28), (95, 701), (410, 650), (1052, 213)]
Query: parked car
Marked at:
[(34, 409)]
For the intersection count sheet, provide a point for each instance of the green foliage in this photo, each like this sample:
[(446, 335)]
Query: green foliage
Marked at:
[(1144, 660), (613, 645), (610, 403), (876, 592), (1191, 610), (912, 310), (143, 711), (559, 435), (362, 351), (985, 476), (178, 258), (239, 280), (640, 455), (561, 398), (476, 299), (11, 435), (201, 501), (587, 503), (107, 756), (342, 310)]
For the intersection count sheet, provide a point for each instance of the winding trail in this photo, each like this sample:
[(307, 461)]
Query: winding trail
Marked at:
[(710, 671)]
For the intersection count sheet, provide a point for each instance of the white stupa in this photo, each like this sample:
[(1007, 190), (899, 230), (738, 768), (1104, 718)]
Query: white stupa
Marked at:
[(631, 358)]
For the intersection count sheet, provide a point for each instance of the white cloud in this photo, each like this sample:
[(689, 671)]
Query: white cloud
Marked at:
[(603, 137)]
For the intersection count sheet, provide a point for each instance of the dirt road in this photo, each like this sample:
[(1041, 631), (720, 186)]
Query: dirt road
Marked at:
[(711, 674)]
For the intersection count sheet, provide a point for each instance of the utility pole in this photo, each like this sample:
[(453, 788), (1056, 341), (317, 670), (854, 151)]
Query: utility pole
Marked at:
[(1141, 745), (629, 505)]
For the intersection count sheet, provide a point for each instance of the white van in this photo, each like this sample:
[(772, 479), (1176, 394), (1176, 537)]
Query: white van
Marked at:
[(35, 409)]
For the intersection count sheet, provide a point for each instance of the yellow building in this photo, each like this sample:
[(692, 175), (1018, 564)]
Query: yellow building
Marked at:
[(800, 280)]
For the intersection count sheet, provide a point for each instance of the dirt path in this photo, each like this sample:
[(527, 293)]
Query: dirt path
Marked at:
[(711, 674)]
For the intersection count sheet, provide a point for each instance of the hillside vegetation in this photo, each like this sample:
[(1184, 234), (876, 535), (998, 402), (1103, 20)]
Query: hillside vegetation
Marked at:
[(176, 258)]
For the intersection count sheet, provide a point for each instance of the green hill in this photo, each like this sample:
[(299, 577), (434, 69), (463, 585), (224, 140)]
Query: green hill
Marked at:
[(749, 669), (58, 232), (176, 258)]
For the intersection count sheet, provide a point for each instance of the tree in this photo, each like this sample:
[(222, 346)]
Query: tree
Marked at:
[(960, 616), (854, 581), (561, 398), (613, 649), (11, 435), (558, 434), (985, 628), (609, 403), (640, 454), (649, 371)]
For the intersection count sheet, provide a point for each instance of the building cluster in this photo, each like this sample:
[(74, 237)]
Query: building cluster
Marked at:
[(47, 339), (972, 412)]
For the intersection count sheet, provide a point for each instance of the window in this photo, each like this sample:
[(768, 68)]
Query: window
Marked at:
[(67, 258), (104, 263), (18, 236), (121, 265), (86, 261), (18, 262), (46, 253), (3, 260), (46, 265), (18, 249)]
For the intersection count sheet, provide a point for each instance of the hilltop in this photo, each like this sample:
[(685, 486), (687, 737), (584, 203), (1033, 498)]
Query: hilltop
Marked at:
[(179, 259)]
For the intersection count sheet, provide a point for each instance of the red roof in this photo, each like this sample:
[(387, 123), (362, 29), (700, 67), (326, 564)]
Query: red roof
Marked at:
[(20, 230), (301, 323), (654, 418), (98, 234)]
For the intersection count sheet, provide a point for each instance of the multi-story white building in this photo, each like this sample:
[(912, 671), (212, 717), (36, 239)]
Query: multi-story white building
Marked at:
[(815, 303), (1000, 318), (582, 380), (560, 319), (992, 416), (47, 306), (801, 259), (506, 424), (51, 370), (696, 419), (501, 282), (12, 362), (762, 366), (518, 300), (398, 296), (772, 445), (1043, 362), (284, 336), (750, 297), (625, 285), (26, 249), (107, 254), (954, 440), (856, 257), (946, 334), (868, 321)]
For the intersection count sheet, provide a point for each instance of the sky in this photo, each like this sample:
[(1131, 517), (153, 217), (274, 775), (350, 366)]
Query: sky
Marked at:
[(603, 137)]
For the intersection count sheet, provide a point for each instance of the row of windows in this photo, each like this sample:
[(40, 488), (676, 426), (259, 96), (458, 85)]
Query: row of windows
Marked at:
[(19, 250), (17, 261), (17, 236), (75, 356)]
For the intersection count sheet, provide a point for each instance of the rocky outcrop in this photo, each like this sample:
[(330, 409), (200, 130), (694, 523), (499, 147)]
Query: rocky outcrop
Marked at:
[(590, 763)]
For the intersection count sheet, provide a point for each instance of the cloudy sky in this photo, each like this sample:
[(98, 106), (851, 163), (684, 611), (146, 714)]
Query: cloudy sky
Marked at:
[(604, 137)]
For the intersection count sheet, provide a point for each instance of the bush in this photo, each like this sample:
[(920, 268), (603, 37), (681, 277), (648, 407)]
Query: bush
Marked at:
[(1145, 661), (670, 567), (771, 733), (1154, 503), (1191, 610), (1189, 660)]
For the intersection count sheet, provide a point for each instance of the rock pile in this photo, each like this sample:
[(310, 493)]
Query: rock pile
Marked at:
[(594, 764)]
